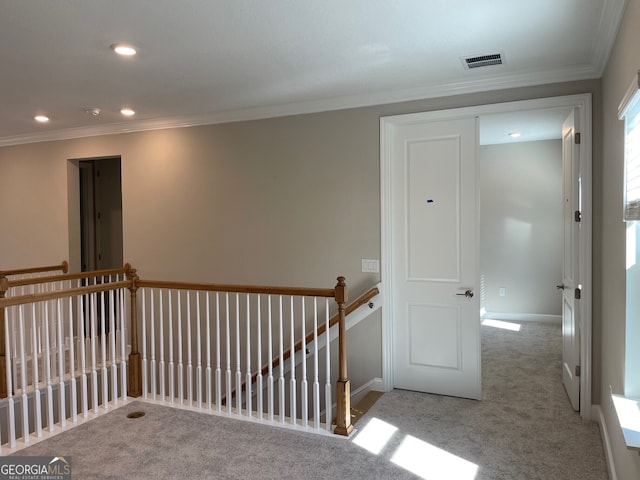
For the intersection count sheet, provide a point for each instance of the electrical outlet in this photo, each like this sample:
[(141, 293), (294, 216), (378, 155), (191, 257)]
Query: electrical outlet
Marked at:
[(503, 291)]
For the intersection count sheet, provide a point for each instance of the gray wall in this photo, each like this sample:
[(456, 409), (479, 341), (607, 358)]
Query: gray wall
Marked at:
[(292, 200), (610, 238), (521, 227)]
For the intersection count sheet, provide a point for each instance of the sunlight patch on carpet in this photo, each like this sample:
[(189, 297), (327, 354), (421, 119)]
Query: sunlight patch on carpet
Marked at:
[(489, 322), (415, 455), (375, 435), (432, 463)]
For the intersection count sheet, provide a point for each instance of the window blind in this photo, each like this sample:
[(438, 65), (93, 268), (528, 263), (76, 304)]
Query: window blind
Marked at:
[(629, 110)]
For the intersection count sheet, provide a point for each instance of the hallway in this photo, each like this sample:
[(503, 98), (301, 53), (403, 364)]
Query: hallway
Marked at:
[(524, 428)]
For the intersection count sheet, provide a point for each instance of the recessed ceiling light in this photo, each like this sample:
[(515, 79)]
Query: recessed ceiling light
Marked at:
[(123, 49), (41, 118), (514, 134), (127, 112)]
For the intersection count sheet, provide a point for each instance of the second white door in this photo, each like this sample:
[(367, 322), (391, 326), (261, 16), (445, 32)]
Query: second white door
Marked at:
[(570, 274), (435, 307)]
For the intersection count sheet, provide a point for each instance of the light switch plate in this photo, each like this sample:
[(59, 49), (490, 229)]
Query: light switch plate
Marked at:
[(370, 266)]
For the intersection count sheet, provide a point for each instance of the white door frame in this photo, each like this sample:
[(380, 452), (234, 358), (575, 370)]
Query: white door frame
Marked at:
[(583, 103)]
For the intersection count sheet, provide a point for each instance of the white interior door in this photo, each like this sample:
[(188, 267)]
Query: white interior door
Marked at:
[(435, 312), (570, 275)]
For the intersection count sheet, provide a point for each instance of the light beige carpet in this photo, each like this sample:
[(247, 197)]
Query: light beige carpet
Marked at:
[(523, 429)]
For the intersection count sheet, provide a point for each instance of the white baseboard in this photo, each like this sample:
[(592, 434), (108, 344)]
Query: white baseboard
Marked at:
[(524, 317), (375, 384), (597, 415)]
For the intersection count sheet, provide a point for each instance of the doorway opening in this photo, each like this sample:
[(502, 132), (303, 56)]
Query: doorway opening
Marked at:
[(390, 126), (524, 304), (100, 186)]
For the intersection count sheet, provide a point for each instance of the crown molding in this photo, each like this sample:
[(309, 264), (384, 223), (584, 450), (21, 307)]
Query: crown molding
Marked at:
[(487, 83)]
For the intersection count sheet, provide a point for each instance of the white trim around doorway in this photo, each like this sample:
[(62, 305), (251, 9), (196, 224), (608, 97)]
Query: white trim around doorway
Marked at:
[(583, 103)]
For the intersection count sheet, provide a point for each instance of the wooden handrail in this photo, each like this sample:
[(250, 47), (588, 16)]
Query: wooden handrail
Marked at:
[(213, 287), (70, 276), (67, 292), (64, 267)]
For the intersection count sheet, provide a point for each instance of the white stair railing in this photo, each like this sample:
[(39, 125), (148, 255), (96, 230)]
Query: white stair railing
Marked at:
[(222, 334), (47, 338), (66, 356), (37, 282)]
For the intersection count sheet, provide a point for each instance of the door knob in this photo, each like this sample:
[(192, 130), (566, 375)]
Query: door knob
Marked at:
[(561, 287), (468, 294)]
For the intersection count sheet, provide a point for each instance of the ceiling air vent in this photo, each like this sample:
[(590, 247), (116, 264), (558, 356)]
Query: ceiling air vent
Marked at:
[(478, 61)]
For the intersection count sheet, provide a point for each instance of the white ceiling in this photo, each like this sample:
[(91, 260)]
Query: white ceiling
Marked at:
[(209, 61)]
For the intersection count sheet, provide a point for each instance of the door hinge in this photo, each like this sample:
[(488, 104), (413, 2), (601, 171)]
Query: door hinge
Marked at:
[(576, 138), (577, 371), (577, 293), (577, 215)]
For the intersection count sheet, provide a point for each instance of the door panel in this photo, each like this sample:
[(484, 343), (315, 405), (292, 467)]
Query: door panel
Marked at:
[(436, 328), (432, 332), (570, 274), (431, 178)]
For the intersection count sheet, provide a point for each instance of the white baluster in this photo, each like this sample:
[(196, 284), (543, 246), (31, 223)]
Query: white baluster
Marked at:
[(94, 373), (13, 353), (292, 362), (281, 386), (189, 360), (228, 371), (270, 359), (61, 388), (52, 338), (23, 375), (238, 371), (316, 384), (152, 341), (328, 401), (208, 371), (112, 344), (36, 382), (47, 370), (259, 399), (103, 352), (145, 374), (218, 369), (248, 346), (161, 364), (11, 414), (198, 352), (180, 364), (304, 392), (82, 355), (172, 385), (72, 367)]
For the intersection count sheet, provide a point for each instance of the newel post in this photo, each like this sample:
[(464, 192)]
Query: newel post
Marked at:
[(134, 384), (4, 286), (343, 387)]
